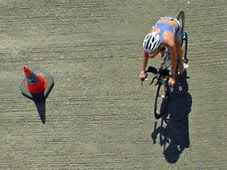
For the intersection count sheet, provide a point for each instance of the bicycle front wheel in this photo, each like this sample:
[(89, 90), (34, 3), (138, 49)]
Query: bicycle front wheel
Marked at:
[(181, 18), (160, 101)]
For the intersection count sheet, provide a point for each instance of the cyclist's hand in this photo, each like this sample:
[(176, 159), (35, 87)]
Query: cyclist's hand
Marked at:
[(142, 76), (172, 81)]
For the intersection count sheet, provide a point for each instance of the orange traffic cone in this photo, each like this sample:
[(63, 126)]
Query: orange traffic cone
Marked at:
[(37, 85)]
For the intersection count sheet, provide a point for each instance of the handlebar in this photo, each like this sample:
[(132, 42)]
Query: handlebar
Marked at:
[(158, 73), (161, 72)]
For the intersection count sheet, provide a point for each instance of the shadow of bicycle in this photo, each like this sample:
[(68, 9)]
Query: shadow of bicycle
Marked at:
[(174, 127)]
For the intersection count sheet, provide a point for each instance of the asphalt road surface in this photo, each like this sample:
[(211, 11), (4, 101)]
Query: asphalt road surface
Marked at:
[(97, 115)]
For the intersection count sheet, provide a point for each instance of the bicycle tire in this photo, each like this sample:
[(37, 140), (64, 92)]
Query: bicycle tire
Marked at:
[(181, 19), (160, 101), (185, 41)]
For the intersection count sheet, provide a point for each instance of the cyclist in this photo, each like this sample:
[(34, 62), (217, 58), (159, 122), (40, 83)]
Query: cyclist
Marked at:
[(167, 33)]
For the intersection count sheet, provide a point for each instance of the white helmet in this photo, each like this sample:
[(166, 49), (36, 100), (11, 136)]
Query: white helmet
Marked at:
[(151, 42)]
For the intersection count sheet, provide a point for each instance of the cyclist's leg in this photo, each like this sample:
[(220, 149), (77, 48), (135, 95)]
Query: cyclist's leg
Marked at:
[(180, 57), (179, 39)]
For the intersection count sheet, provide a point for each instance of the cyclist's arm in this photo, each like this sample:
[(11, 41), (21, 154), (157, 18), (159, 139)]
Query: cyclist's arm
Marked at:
[(142, 74), (173, 56), (170, 44), (145, 59)]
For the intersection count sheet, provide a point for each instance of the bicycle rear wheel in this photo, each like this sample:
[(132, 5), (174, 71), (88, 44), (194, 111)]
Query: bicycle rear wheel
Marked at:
[(181, 19), (160, 101)]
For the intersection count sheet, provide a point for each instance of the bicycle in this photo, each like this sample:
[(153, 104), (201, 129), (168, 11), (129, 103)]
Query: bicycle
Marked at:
[(162, 75)]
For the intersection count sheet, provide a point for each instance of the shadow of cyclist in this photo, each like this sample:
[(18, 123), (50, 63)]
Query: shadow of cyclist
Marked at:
[(174, 129)]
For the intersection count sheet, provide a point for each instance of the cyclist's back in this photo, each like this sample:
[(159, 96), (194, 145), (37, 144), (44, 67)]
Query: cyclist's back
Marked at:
[(169, 24)]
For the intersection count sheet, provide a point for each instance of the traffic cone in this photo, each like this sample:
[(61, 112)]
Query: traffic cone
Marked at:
[(36, 85)]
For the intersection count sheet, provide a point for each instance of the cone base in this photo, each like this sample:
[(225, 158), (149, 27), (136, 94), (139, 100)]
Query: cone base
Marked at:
[(41, 96)]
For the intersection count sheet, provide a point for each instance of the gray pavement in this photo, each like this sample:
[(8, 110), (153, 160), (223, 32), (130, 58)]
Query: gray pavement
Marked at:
[(98, 116)]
